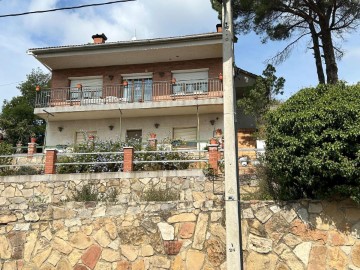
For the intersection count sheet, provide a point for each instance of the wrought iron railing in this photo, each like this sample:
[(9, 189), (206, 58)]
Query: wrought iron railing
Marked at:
[(139, 92)]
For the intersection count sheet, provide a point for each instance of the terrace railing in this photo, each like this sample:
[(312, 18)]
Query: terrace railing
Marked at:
[(130, 93)]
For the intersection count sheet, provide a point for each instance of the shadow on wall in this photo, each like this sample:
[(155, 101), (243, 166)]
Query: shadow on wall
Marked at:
[(301, 235)]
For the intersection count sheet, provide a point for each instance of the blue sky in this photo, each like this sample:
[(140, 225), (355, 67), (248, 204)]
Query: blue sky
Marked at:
[(150, 18)]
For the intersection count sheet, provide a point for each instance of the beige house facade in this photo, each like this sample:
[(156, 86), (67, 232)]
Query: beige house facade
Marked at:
[(115, 90)]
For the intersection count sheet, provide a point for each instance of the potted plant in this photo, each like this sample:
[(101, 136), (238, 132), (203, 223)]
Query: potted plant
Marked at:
[(213, 141), (32, 137), (218, 132)]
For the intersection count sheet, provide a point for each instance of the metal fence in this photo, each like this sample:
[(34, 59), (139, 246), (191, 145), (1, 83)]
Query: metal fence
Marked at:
[(136, 92)]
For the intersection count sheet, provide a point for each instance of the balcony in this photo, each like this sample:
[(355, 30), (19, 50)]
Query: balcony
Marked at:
[(139, 92)]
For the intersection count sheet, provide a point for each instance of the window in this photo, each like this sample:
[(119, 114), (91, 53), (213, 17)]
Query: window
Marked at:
[(82, 136), (139, 87), (91, 87), (185, 137), (134, 134), (190, 82)]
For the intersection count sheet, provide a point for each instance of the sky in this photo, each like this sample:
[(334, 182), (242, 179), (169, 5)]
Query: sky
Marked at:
[(150, 19)]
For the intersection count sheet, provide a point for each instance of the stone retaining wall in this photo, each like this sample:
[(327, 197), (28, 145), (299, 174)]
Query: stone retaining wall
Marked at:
[(40, 229), (18, 192), (313, 235), (176, 235)]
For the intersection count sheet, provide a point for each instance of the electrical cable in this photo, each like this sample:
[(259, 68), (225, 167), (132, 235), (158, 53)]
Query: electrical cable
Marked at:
[(64, 8)]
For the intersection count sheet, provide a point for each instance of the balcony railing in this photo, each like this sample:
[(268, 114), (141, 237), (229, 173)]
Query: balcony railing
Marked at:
[(137, 92)]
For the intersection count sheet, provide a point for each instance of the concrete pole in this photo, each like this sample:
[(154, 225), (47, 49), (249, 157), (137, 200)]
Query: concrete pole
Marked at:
[(233, 241)]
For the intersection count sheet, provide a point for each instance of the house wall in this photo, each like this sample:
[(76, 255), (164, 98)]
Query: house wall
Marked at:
[(165, 130), (161, 71)]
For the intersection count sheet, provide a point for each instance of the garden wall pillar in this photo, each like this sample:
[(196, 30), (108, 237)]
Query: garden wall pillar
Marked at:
[(50, 161), (128, 159), (213, 155)]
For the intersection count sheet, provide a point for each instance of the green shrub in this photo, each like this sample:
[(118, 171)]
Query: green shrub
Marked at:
[(27, 170), (90, 193), (313, 144), (157, 195), (161, 156), (5, 149), (97, 147), (87, 193)]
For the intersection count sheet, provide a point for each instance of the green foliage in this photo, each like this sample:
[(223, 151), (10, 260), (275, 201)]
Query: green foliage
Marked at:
[(208, 171), (313, 144), (282, 20), (17, 118), (258, 99), (5, 149), (158, 195), (26, 170), (89, 193), (96, 146), (161, 156)]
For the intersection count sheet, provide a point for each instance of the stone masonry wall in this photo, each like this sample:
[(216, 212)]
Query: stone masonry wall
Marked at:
[(40, 229), (18, 192), (313, 235)]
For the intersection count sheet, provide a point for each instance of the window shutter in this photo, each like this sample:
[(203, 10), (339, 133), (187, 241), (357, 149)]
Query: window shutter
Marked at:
[(186, 134), (191, 76), (94, 82)]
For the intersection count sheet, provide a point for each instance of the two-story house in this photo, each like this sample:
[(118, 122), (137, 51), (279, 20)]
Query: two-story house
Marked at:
[(168, 86)]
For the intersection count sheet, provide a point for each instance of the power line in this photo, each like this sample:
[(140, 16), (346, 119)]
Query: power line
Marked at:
[(64, 8), (10, 83)]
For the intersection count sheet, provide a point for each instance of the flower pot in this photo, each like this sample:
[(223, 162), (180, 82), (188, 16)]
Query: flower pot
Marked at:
[(213, 141)]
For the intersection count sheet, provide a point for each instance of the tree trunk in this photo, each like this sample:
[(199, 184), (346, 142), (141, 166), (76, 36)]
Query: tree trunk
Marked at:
[(329, 55), (317, 54)]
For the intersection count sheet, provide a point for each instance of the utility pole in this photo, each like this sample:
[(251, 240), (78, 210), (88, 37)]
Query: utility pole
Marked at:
[(233, 229)]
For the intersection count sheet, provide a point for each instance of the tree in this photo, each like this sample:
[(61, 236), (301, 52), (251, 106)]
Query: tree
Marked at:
[(17, 118), (321, 20), (257, 99), (313, 144)]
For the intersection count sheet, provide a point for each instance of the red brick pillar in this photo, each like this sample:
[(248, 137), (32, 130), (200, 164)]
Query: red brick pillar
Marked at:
[(50, 160), (213, 156), (31, 149), (128, 159)]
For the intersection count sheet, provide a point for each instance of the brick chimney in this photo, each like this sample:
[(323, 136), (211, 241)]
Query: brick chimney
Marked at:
[(219, 28), (98, 39)]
